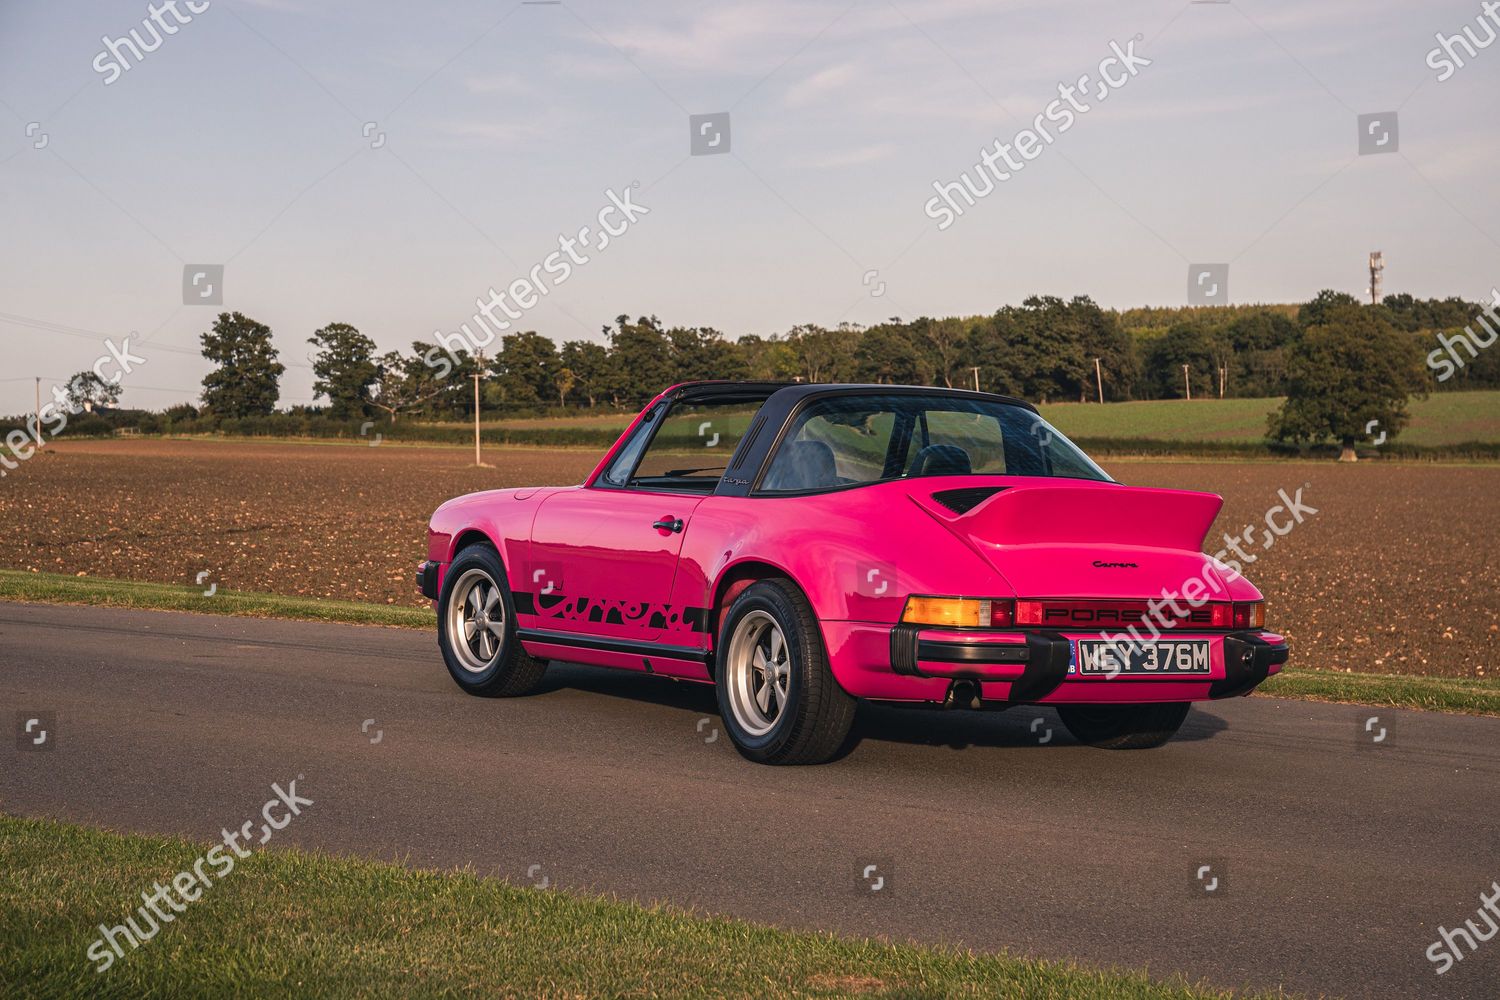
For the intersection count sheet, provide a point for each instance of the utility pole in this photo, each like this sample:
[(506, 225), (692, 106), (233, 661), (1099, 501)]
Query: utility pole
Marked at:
[(1187, 383), (1099, 380), (478, 367), (975, 370), (36, 431)]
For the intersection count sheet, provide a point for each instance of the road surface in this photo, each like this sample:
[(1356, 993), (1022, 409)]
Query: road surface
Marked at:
[(1336, 856)]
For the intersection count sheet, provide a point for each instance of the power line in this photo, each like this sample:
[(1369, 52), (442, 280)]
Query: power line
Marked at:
[(80, 332)]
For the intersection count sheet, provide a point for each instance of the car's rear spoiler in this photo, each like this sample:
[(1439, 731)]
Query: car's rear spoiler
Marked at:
[(1105, 514)]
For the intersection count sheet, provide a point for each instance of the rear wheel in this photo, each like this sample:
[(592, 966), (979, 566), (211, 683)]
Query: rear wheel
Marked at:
[(1124, 727), (778, 698), (477, 628)]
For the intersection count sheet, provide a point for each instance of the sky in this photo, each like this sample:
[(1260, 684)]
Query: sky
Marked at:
[(385, 164)]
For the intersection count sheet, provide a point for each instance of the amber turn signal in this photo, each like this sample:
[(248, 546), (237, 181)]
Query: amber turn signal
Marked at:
[(958, 612)]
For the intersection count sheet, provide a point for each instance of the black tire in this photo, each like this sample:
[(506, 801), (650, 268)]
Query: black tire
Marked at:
[(813, 720), (1124, 727), (510, 671)]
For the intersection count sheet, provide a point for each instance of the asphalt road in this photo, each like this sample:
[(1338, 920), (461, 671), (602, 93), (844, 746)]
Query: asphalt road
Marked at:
[(1337, 856)]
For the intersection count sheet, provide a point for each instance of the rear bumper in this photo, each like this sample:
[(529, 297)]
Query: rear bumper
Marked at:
[(429, 577), (912, 663)]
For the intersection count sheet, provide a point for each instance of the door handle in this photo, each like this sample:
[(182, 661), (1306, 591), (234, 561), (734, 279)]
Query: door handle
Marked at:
[(669, 524)]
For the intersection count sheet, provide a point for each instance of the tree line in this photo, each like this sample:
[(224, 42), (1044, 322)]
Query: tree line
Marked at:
[(1046, 349)]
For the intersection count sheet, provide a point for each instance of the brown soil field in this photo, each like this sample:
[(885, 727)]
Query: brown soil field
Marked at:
[(1396, 573)]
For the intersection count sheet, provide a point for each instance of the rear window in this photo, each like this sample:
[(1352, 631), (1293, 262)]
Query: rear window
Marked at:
[(845, 441)]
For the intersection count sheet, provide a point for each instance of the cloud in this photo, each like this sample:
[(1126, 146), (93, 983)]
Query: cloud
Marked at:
[(848, 157), (820, 84)]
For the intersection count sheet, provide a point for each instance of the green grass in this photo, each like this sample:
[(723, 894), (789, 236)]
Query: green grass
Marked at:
[(292, 922), (1469, 696), (1441, 420), (52, 588), (1441, 425)]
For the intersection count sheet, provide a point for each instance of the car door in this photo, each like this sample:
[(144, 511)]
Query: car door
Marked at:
[(602, 561)]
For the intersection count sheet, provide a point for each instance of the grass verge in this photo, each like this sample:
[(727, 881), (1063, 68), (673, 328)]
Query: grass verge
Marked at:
[(1469, 696), (321, 926), (1446, 694), (52, 588)]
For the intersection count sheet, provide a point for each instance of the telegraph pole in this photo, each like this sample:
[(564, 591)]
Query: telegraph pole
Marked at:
[(1099, 380), (1187, 383), (478, 367), (975, 370), (37, 429)]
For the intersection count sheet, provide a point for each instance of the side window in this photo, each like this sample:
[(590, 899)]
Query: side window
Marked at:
[(962, 442), (833, 444), (693, 445), (618, 472)]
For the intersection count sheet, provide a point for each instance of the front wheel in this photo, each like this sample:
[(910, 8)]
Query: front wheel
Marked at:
[(1124, 727), (777, 695), (477, 628)]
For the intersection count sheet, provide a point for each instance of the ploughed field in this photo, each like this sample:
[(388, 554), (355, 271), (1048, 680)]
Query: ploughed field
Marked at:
[(1396, 573)]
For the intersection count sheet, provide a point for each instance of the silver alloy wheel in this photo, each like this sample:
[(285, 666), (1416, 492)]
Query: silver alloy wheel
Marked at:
[(758, 671), (476, 621)]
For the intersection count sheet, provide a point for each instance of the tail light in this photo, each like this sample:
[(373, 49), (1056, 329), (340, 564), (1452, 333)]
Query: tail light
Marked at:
[(1250, 614), (959, 612), (971, 612)]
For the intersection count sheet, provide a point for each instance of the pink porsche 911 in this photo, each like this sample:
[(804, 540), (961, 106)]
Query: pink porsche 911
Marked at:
[(802, 547)]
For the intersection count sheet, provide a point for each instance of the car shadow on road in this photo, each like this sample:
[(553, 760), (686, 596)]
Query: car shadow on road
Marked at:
[(1022, 726)]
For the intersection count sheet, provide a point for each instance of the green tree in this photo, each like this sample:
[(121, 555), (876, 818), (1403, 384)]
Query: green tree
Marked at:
[(590, 365), (87, 391), (245, 383), (345, 369), (1045, 349), (821, 355), (405, 383), (772, 359), (1259, 342), (887, 353), (1341, 375), (1316, 312), (1187, 343), (642, 357), (703, 353), (526, 369)]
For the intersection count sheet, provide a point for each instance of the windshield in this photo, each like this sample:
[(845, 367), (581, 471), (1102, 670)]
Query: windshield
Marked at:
[(851, 440)]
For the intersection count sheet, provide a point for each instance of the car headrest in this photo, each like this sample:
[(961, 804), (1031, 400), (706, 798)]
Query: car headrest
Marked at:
[(941, 460), (803, 465)]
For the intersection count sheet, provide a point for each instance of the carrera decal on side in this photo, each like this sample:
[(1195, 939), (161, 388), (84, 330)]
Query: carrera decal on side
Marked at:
[(563, 608)]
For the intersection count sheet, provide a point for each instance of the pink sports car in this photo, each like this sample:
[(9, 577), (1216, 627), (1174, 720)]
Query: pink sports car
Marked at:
[(801, 547)]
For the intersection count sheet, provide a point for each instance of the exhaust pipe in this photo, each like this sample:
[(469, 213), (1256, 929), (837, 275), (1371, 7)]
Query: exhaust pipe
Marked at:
[(963, 694)]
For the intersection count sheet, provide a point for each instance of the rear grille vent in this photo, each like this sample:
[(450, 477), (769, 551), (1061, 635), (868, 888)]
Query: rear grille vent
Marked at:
[(961, 501)]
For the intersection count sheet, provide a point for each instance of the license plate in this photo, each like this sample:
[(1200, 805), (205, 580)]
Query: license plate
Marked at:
[(1093, 658)]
